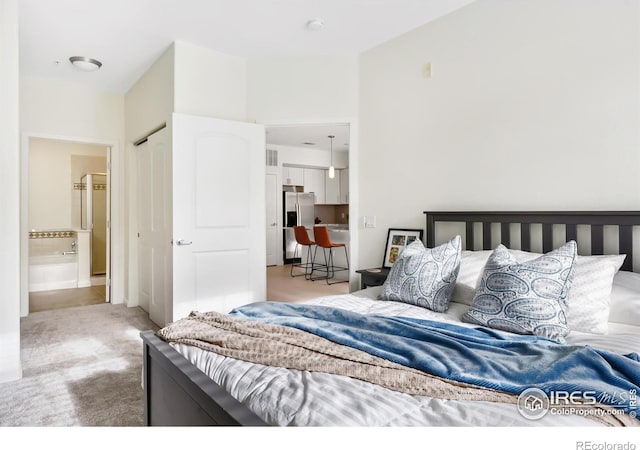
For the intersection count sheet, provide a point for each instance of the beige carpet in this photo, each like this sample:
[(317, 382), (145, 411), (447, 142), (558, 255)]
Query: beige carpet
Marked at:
[(81, 367)]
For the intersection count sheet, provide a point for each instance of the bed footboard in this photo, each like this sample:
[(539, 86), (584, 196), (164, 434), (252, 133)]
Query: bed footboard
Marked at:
[(178, 393)]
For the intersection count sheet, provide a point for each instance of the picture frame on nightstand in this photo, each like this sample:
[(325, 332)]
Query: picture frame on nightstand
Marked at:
[(397, 240)]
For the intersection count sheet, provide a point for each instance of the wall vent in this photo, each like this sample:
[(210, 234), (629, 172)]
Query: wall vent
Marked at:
[(272, 158)]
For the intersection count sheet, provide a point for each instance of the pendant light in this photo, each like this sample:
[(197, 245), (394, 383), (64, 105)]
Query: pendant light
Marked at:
[(332, 170)]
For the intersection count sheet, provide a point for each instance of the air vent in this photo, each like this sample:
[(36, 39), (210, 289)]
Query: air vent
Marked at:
[(272, 158)]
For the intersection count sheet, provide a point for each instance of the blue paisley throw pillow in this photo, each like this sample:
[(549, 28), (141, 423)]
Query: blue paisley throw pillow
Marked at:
[(424, 277), (527, 298)]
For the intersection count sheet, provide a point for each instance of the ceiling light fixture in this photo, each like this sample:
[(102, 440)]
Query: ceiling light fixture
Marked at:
[(315, 24), (332, 170), (85, 64)]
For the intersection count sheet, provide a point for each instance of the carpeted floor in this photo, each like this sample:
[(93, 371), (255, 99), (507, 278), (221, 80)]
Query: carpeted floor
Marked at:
[(81, 367)]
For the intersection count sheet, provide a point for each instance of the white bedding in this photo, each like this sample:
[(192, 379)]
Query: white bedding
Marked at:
[(291, 397)]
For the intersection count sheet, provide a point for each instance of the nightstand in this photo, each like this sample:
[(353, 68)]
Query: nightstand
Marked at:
[(373, 277)]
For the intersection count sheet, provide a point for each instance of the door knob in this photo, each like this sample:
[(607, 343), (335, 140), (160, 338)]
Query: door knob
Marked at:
[(183, 242)]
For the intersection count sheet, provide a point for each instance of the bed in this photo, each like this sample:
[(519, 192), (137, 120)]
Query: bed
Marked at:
[(186, 385)]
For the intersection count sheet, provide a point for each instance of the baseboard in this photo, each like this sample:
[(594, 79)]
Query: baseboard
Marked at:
[(11, 374)]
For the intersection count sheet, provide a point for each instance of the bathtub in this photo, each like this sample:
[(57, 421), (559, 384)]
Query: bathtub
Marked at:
[(49, 272)]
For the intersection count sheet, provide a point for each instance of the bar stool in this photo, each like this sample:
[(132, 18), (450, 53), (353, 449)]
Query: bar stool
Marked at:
[(323, 240), (302, 240)]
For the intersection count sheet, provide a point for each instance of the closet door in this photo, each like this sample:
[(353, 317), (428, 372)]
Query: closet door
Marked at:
[(154, 226), (219, 249)]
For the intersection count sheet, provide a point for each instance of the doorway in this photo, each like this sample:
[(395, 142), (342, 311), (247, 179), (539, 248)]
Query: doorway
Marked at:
[(58, 250), (299, 159)]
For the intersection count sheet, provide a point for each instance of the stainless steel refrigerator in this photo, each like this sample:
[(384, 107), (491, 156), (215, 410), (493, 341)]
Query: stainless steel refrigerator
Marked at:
[(298, 208)]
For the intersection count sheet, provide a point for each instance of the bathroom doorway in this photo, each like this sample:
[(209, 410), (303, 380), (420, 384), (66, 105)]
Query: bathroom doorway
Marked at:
[(68, 263)]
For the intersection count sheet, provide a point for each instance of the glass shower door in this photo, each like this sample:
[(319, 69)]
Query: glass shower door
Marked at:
[(93, 207), (99, 219)]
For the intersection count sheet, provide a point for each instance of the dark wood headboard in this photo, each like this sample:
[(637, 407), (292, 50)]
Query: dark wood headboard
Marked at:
[(596, 221)]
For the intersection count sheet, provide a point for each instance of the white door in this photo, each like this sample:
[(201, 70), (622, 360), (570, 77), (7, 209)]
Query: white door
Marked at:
[(219, 252), (271, 187), (154, 226)]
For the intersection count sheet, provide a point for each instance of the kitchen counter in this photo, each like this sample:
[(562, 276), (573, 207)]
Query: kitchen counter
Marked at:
[(334, 226)]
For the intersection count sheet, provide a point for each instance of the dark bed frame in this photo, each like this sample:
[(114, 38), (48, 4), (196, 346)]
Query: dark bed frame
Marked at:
[(178, 393)]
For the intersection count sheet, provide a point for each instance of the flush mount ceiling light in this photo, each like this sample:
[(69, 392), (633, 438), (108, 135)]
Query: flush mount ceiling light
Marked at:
[(315, 24), (85, 64)]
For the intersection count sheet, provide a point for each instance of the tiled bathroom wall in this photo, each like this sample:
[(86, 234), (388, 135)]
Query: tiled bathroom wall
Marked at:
[(53, 242)]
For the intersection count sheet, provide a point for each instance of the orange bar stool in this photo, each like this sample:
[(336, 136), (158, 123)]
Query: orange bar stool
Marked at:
[(323, 240), (302, 240)]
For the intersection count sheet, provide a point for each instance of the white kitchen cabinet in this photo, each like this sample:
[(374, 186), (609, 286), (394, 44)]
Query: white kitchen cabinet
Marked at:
[(332, 188), (344, 186), (314, 182), (293, 176)]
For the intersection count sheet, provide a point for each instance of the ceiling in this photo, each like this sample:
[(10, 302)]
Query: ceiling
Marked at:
[(318, 135), (127, 36)]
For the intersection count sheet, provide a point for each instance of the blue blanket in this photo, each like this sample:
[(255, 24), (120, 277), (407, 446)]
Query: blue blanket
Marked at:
[(478, 356)]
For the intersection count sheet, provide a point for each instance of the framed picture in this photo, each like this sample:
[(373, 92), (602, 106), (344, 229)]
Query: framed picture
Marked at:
[(397, 240)]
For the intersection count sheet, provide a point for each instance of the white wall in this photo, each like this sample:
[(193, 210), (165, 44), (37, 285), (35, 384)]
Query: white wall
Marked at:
[(51, 192), (10, 366), (150, 101), (210, 83), (532, 105), (281, 89), (64, 109)]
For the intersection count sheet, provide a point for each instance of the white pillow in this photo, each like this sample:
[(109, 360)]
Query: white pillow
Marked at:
[(625, 298), (589, 297), (590, 293), (471, 266)]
